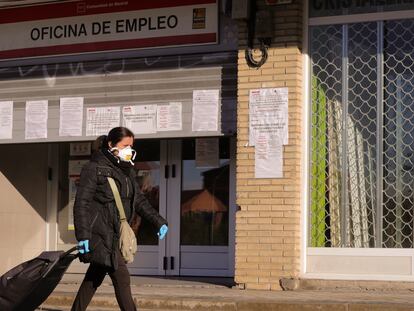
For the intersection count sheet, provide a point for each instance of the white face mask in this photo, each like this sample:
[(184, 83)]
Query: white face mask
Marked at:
[(126, 154)]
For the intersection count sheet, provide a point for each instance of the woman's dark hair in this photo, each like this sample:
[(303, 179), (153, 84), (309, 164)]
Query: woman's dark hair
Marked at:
[(114, 136)]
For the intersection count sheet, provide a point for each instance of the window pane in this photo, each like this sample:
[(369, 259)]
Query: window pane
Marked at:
[(398, 132), (205, 198), (147, 165), (326, 118), (361, 137)]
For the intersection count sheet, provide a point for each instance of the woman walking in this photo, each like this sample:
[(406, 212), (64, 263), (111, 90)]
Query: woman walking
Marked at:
[(97, 220)]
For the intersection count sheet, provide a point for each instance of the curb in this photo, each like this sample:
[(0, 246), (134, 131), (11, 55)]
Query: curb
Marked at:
[(175, 303)]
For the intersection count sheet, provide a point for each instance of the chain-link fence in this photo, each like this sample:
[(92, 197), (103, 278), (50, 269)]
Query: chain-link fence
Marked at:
[(362, 135)]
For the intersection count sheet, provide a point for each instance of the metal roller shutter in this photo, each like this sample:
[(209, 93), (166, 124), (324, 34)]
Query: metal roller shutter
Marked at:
[(124, 82)]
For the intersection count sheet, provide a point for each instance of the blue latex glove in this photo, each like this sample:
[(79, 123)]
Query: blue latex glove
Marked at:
[(83, 246), (163, 231)]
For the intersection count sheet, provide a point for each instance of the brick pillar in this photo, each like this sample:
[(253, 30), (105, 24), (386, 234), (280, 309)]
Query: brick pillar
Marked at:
[(268, 222)]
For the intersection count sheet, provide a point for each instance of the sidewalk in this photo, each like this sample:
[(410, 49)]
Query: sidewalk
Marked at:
[(202, 294)]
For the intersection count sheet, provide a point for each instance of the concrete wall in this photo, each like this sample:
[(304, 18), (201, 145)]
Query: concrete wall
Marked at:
[(23, 193), (268, 223)]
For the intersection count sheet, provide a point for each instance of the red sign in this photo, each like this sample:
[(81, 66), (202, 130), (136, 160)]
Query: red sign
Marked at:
[(98, 25)]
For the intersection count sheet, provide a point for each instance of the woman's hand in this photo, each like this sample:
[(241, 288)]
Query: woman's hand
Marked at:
[(163, 231), (83, 246)]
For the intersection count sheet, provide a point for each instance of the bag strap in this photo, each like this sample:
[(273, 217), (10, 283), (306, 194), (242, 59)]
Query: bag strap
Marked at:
[(117, 197)]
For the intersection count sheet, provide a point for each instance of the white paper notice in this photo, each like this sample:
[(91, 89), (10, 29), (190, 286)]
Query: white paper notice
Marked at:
[(73, 182), (205, 110), (268, 113), (100, 120), (71, 116), (268, 157), (169, 117), (75, 167), (140, 119), (207, 152), (80, 149), (6, 120), (36, 119)]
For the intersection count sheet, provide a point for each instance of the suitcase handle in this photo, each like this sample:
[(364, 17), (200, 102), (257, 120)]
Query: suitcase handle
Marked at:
[(70, 251)]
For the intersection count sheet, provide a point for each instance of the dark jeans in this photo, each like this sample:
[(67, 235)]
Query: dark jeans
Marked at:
[(94, 278)]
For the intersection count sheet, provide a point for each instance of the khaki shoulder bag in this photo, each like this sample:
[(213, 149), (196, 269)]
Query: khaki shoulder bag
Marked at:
[(127, 239)]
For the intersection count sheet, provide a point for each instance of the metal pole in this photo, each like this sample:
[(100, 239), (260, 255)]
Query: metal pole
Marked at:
[(380, 125), (345, 231)]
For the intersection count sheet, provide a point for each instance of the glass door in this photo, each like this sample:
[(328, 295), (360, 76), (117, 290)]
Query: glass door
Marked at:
[(149, 165), (199, 200)]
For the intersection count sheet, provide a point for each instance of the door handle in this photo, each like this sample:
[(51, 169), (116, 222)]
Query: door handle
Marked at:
[(172, 263), (165, 263), (173, 171), (166, 171)]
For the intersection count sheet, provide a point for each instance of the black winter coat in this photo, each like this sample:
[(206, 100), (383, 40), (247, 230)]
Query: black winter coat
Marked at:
[(96, 216)]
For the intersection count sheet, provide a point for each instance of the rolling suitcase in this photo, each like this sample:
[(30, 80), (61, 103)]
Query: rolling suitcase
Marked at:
[(27, 286)]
